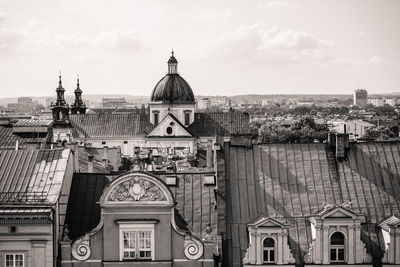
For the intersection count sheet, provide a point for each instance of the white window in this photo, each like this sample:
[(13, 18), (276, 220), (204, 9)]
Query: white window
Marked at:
[(14, 260), (337, 250), (136, 241), (269, 250)]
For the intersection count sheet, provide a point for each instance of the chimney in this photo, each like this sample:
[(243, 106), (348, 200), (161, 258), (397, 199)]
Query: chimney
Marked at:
[(341, 144), (104, 163), (90, 164), (76, 156), (16, 145), (209, 154), (105, 153)]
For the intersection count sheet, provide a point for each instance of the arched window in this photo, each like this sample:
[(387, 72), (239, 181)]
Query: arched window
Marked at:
[(337, 247), (268, 250)]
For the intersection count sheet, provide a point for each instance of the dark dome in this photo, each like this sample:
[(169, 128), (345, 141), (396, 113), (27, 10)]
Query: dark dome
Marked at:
[(172, 89)]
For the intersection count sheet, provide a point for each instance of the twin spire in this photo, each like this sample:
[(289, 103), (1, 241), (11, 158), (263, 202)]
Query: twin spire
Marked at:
[(78, 107)]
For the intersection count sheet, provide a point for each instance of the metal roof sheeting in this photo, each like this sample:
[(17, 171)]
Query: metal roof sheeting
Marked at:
[(32, 176), (292, 181), (220, 123), (110, 125)]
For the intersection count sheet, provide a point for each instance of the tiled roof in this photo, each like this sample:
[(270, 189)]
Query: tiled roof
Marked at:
[(220, 123), (33, 123), (194, 202), (292, 181), (28, 176), (8, 139), (110, 125)]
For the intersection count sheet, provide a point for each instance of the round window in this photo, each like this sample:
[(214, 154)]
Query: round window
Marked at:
[(169, 130)]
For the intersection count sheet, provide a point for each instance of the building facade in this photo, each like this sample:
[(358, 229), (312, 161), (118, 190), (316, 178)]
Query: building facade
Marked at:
[(360, 97)]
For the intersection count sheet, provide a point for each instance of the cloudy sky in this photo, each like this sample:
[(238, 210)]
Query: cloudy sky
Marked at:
[(224, 47)]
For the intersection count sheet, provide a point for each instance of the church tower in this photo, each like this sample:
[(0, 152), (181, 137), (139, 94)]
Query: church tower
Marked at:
[(62, 128), (172, 95), (60, 108), (78, 107)]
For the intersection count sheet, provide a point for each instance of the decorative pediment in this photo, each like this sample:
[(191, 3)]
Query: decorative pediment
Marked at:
[(170, 127), (337, 211), (136, 189), (265, 221)]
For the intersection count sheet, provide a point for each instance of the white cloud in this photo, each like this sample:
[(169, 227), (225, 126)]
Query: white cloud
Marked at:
[(360, 35), (215, 15), (254, 43), (376, 60), (278, 4), (36, 38)]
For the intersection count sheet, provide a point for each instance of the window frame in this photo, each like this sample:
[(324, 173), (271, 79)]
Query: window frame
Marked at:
[(337, 248), (14, 260), (187, 118), (136, 228), (269, 249)]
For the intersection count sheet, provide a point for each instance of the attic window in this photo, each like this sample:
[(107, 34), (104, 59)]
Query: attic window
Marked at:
[(103, 142), (169, 130), (13, 229)]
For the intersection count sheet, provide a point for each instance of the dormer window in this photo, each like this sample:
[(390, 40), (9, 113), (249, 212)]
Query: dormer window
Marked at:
[(336, 237), (268, 243), (269, 250), (337, 247)]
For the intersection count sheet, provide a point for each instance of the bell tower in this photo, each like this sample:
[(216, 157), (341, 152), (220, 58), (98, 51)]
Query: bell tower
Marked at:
[(78, 107), (60, 108), (62, 128)]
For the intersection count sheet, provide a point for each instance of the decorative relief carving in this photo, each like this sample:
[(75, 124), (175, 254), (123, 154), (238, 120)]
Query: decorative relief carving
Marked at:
[(308, 257), (136, 189), (193, 248), (81, 249)]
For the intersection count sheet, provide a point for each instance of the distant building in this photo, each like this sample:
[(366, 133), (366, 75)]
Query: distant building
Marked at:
[(360, 97), (355, 128), (377, 102), (204, 103), (305, 103), (25, 101), (391, 101), (49, 101), (119, 102)]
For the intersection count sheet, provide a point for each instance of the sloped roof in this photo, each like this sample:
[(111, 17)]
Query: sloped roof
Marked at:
[(110, 125), (83, 212), (32, 176), (220, 123), (194, 202), (8, 139), (33, 123), (292, 181)]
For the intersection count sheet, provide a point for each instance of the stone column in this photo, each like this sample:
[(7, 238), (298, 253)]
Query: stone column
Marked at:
[(325, 247), (350, 245), (259, 248), (317, 251), (358, 245), (280, 249), (397, 245), (285, 247)]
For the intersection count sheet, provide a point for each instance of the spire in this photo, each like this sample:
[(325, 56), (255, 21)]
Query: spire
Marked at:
[(60, 92), (172, 64), (78, 107), (77, 85)]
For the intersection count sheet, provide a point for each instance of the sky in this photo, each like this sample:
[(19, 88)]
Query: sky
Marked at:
[(224, 47)]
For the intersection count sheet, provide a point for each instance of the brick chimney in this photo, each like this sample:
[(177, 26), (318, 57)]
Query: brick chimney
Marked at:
[(90, 164), (340, 143), (209, 157)]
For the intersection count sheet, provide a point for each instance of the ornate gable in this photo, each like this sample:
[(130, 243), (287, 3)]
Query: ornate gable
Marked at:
[(170, 127), (136, 189)]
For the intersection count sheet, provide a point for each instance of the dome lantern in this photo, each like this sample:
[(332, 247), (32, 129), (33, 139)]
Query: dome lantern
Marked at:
[(172, 64)]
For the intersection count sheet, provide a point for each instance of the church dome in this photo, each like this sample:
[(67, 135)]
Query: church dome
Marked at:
[(172, 88)]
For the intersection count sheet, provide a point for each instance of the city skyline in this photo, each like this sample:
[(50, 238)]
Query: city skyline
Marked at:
[(223, 48)]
